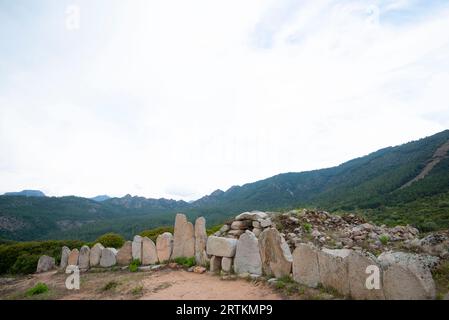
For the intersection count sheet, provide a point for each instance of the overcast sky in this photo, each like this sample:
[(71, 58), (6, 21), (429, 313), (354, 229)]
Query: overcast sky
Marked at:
[(177, 98)]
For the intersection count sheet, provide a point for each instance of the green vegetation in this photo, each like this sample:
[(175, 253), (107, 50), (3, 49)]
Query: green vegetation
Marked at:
[(213, 229), (154, 233), (137, 291), (134, 265), (384, 239), (110, 286), (111, 240), (186, 262), (307, 227), (37, 289)]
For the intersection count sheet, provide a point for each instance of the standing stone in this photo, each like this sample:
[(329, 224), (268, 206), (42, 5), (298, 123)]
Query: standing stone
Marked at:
[(305, 267), (184, 238), (334, 269), (358, 263), (164, 246), (64, 257), (226, 264), (137, 248), (83, 259), (247, 255), (124, 255), (200, 242), (275, 253), (149, 252), (108, 257), (406, 277), (45, 264), (222, 247), (215, 264), (95, 254), (73, 257)]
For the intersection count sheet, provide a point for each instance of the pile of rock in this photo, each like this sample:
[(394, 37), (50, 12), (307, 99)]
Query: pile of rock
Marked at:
[(255, 221)]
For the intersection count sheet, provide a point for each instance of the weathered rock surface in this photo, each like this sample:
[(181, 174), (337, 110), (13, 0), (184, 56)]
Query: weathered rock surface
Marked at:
[(137, 247), (334, 269), (241, 224), (275, 253), (226, 264), (247, 256), (84, 257), (222, 247), (406, 277), (358, 263), (95, 254), (215, 264), (108, 257), (124, 254), (305, 267), (149, 252), (253, 215), (73, 257), (183, 238), (45, 264), (200, 242), (64, 257), (164, 246)]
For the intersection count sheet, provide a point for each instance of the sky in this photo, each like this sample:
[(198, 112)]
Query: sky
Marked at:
[(178, 98)]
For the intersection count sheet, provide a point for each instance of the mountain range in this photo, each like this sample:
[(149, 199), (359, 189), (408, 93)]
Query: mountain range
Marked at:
[(395, 185)]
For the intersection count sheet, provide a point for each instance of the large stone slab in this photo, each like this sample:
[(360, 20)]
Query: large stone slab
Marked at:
[(73, 257), (108, 257), (334, 269), (200, 242), (253, 215), (149, 252), (406, 276), (83, 259), (226, 264), (222, 247), (137, 248), (95, 255), (358, 265), (184, 238), (247, 255), (65, 252), (275, 253), (164, 246), (305, 266), (45, 264), (124, 254), (215, 264)]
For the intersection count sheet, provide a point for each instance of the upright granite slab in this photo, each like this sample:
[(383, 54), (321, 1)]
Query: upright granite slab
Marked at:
[(247, 256), (275, 253), (164, 246), (184, 238)]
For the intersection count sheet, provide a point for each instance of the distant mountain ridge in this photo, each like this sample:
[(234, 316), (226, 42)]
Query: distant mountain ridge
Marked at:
[(26, 193), (370, 185)]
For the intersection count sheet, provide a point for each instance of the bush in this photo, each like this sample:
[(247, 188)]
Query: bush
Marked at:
[(384, 239), (37, 289), (153, 233), (109, 286), (134, 265), (186, 262), (307, 227), (213, 229), (25, 264), (111, 240)]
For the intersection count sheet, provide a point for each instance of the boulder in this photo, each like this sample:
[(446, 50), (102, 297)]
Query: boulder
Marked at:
[(149, 252), (226, 264), (45, 264), (265, 223), (334, 269), (83, 259), (305, 266), (222, 247), (108, 257), (242, 224), (137, 248), (64, 257), (275, 253), (358, 262), (247, 255), (183, 238), (215, 264), (253, 215), (124, 254), (200, 242), (164, 246), (95, 254), (406, 276), (73, 257)]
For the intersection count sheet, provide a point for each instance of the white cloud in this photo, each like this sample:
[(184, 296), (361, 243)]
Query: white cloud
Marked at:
[(179, 98)]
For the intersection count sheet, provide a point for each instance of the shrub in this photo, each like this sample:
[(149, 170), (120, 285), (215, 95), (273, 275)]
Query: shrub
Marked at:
[(186, 262), (111, 240), (37, 289), (307, 227), (384, 239), (153, 233), (134, 265), (25, 264), (109, 286), (213, 229)]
